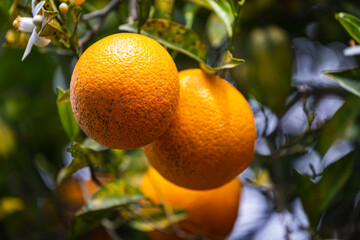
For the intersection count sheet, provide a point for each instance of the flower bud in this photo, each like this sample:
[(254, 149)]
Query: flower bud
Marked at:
[(37, 20), (63, 8)]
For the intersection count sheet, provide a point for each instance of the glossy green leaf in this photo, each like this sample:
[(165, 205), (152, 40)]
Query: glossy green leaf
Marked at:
[(350, 23), (177, 37), (224, 11), (143, 11), (317, 196), (66, 115), (348, 79), (336, 127), (163, 9)]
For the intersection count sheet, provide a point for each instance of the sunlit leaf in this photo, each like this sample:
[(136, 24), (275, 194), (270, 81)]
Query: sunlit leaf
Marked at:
[(66, 115), (317, 196), (163, 9), (350, 23), (177, 37), (336, 127), (348, 79)]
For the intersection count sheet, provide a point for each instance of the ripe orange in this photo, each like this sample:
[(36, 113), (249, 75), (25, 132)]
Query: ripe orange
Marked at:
[(74, 192), (210, 213), (77, 2), (124, 90), (211, 138)]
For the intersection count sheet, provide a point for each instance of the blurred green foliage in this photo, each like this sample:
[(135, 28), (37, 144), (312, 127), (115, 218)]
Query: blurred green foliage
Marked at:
[(38, 135)]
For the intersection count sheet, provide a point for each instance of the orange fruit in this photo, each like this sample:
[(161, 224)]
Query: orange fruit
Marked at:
[(211, 213), (211, 137), (75, 192), (124, 90), (77, 2)]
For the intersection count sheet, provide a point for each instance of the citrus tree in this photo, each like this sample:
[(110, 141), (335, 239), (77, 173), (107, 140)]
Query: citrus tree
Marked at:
[(160, 105)]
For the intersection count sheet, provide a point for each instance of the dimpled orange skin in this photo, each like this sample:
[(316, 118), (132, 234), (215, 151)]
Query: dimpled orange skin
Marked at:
[(211, 138), (124, 90), (210, 213)]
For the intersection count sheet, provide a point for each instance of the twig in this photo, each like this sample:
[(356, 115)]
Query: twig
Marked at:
[(89, 34), (92, 173), (101, 13)]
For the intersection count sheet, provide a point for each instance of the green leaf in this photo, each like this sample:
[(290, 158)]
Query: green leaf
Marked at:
[(270, 67), (215, 30), (82, 157), (45, 166), (174, 36), (163, 9), (63, 97), (154, 217), (50, 25), (143, 10), (350, 23), (190, 10), (224, 11), (317, 196), (177, 37), (110, 197), (86, 222), (336, 127), (348, 79), (66, 115), (93, 145)]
